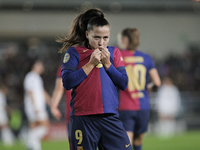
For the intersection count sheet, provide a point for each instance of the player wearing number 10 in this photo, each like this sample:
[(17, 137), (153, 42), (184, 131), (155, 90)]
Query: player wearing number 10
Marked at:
[(134, 102), (93, 71)]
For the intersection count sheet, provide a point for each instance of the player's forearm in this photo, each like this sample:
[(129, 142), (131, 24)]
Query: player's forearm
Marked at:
[(72, 78), (150, 85), (57, 93), (119, 78), (47, 98), (87, 68), (57, 96), (155, 77), (157, 82), (107, 65)]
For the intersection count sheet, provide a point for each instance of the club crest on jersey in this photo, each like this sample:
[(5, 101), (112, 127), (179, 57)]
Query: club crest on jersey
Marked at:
[(66, 58), (99, 65)]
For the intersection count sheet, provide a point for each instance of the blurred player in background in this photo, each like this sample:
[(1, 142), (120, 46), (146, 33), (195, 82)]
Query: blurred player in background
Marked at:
[(6, 133), (57, 96), (168, 107), (93, 71), (134, 101), (35, 106)]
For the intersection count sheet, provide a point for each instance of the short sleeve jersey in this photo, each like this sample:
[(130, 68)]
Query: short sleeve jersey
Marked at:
[(135, 97), (67, 97), (33, 82), (96, 94)]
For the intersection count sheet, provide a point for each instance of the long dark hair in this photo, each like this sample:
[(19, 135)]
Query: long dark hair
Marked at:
[(84, 21)]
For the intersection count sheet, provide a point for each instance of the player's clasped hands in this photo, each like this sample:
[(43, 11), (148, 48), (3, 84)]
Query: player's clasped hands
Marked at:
[(102, 55), (95, 57), (105, 57)]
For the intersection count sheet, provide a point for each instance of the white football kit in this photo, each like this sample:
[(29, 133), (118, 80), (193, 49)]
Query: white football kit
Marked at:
[(168, 100), (36, 109), (3, 114)]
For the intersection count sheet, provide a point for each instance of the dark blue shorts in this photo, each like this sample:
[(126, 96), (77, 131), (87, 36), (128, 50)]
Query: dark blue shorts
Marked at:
[(105, 131), (135, 121)]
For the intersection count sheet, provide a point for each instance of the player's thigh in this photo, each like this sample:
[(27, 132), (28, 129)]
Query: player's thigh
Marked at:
[(114, 136), (84, 132), (130, 136), (142, 121), (128, 119), (3, 118), (30, 113), (42, 117)]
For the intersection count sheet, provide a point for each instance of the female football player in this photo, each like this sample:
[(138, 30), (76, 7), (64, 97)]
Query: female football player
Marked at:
[(134, 101), (35, 100), (93, 71)]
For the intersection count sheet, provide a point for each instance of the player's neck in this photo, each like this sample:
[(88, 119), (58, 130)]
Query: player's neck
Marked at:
[(132, 51), (36, 71)]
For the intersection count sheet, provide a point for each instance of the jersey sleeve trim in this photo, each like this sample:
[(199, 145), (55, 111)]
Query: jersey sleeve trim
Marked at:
[(69, 68), (72, 79), (120, 68)]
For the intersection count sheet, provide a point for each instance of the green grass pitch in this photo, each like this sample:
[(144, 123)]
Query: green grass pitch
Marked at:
[(186, 141)]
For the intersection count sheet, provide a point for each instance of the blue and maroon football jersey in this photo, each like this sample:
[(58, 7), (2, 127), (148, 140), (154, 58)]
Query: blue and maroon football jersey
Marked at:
[(135, 97), (96, 93)]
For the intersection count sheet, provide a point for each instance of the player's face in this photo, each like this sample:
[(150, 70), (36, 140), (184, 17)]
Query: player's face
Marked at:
[(40, 67), (98, 37)]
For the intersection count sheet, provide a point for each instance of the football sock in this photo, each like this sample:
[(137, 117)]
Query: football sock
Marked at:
[(30, 139), (34, 138), (7, 137), (41, 131), (167, 128)]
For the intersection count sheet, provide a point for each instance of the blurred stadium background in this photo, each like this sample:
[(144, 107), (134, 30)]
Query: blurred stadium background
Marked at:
[(170, 33)]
